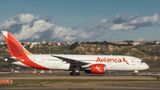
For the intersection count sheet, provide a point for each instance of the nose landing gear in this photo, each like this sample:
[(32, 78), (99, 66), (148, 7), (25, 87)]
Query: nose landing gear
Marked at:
[(135, 73)]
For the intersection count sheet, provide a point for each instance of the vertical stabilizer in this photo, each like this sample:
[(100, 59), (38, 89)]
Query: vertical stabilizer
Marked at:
[(18, 52), (15, 48)]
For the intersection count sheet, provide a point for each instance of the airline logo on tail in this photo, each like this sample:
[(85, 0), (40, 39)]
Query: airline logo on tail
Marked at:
[(15, 48), (18, 52)]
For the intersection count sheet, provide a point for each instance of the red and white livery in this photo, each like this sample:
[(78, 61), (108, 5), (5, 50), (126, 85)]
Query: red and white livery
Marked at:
[(94, 64)]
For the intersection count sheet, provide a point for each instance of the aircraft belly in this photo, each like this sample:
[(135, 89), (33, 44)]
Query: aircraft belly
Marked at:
[(124, 67), (55, 65), (50, 62)]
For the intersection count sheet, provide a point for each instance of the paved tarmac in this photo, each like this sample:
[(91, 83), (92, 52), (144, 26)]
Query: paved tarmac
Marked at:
[(84, 77), (106, 88), (84, 82)]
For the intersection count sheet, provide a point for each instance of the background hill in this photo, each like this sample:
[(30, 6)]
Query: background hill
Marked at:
[(149, 52)]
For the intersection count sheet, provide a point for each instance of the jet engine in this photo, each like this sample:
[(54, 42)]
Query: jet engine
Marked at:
[(96, 69)]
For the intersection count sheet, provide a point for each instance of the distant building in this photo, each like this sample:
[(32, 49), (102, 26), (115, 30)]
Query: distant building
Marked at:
[(136, 43), (120, 43), (51, 43), (44, 42), (2, 43), (157, 42)]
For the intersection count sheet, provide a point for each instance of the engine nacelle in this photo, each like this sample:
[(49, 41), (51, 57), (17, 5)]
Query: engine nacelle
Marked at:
[(96, 69)]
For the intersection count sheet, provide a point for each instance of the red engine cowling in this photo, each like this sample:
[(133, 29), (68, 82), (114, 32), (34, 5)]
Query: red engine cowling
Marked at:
[(96, 69)]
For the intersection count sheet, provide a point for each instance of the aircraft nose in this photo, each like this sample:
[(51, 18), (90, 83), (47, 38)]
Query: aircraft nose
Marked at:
[(146, 66)]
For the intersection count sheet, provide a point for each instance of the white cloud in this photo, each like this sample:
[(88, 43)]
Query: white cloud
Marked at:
[(121, 27), (28, 31), (103, 21), (28, 26), (7, 23), (132, 23), (26, 18)]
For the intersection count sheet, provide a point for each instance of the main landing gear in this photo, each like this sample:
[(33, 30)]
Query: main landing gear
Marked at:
[(75, 72)]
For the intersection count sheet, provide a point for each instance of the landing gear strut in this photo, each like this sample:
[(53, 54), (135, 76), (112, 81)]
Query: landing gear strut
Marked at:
[(75, 72), (135, 73)]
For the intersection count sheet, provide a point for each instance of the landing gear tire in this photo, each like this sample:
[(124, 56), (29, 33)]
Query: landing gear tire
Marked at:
[(135, 73), (71, 73), (75, 70), (75, 73)]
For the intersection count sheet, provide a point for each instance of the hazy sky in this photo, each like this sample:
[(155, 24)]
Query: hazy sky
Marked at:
[(81, 20)]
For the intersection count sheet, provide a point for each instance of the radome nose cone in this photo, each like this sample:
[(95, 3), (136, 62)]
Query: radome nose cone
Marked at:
[(147, 67)]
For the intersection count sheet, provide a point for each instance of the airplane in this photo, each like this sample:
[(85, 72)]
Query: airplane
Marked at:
[(92, 64)]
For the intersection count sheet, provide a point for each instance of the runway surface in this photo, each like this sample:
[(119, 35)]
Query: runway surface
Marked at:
[(85, 82), (106, 88), (84, 78)]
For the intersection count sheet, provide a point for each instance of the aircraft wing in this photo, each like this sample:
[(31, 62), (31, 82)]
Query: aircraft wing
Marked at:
[(71, 61)]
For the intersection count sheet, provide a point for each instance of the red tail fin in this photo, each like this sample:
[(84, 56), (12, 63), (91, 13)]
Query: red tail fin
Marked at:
[(19, 52), (15, 48)]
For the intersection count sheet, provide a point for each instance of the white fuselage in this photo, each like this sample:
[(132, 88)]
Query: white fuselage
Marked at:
[(112, 62), (96, 64)]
